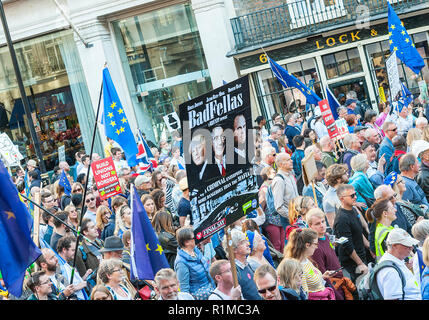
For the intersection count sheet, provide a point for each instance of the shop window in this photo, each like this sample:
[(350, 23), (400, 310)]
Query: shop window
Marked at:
[(273, 98), (342, 63), (379, 52)]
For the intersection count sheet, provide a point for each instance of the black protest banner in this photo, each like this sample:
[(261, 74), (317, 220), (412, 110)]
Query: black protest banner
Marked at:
[(218, 150)]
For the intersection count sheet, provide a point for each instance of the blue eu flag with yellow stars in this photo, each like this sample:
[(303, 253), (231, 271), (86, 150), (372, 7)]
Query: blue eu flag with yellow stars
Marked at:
[(147, 255), (401, 43), (288, 80), (65, 183), (17, 249), (115, 121)]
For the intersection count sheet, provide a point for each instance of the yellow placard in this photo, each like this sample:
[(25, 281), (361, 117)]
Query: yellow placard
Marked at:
[(381, 92)]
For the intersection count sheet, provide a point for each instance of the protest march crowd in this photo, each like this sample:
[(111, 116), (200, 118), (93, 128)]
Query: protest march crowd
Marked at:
[(357, 229), (369, 208)]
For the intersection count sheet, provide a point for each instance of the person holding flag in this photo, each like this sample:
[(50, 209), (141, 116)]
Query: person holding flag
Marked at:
[(18, 251), (147, 255)]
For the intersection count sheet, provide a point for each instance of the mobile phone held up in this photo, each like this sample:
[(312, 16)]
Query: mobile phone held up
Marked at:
[(341, 240)]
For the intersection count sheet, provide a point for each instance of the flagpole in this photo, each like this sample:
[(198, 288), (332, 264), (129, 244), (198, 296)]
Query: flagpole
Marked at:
[(86, 183), (56, 218)]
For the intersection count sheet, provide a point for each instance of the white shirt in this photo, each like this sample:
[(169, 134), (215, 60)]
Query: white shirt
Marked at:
[(120, 164), (389, 281), (218, 295), (181, 296), (320, 129)]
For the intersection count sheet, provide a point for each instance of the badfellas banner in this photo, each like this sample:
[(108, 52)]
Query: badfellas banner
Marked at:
[(218, 149)]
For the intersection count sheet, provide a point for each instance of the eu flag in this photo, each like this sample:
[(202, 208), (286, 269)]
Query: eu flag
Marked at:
[(147, 256), (115, 121), (333, 103), (17, 249), (401, 42), (288, 80), (65, 183)]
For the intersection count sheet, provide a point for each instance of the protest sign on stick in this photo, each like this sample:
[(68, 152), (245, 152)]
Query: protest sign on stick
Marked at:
[(309, 172), (106, 178), (216, 144)]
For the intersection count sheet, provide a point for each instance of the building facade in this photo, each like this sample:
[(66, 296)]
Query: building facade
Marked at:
[(337, 44), (160, 53)]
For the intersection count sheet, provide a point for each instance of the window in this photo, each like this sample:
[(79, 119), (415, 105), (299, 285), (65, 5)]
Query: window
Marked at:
[(379, 52), (342, 63), (273, 98)]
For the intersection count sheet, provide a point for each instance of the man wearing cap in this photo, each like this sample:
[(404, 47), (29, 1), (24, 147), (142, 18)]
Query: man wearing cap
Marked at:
[(399, 246), (318, 124), (184, 208), (143, 184), (421, 150), (359, 131)]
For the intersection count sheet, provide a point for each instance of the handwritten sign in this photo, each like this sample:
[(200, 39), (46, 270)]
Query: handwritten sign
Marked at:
[(106, 178)]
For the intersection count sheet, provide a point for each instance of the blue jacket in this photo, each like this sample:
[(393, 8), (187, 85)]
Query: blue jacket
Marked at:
[(297, 157), (192, 273), (425, 284), (109, 229), (386, 148), (362, 185)]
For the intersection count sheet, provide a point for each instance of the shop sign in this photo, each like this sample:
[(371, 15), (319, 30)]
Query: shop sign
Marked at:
[(106, 178), (328, 118), (60, 126)]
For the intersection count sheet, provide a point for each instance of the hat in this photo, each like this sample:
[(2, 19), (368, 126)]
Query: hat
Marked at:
[(183, 184), (112, 243), (341, 95), (391, 179), (317, 112), (141, 179), (32, 163), (359, 128), (400, 236), (349, 102), (419, 146)]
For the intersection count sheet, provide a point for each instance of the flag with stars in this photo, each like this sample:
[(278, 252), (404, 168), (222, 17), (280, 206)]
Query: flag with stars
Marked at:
[(288, 80), (401, 43), (65, 183), (115, 121), (17, 249), (147, 255)]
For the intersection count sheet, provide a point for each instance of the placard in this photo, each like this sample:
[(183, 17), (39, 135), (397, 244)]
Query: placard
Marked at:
[(328, 118), (9, 152), (217, 141), (342, 127), (393, 75), (309, 169), (62, 153), (172, 121), (106, 178), (423, 92)]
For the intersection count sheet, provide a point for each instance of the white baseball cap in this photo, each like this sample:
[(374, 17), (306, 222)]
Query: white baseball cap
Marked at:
[(400, 236)]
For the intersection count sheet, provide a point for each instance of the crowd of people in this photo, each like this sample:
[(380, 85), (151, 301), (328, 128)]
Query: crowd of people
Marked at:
[(368, 206)]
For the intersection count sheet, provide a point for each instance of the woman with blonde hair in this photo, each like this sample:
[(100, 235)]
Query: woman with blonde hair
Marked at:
[(425, 133), (102, 217), (149, 205), (100, 292), (73, 215), (124, 221), (301, 246), (298, 208), (290, 274), (412, 135), (110, 273), (425, 275)]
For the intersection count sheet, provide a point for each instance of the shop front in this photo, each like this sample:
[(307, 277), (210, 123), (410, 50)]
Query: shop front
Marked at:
[(164, 63), (343, 61), (58, 96)]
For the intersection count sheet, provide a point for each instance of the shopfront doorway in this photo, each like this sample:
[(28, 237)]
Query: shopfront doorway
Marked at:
[(340, 89)]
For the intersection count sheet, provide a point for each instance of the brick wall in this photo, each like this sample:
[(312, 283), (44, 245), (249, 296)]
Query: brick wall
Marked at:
[(248, 6)]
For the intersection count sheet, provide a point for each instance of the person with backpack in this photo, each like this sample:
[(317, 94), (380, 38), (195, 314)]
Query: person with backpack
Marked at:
[(400, 145), (272, 226), (284, 187), (397, 282)]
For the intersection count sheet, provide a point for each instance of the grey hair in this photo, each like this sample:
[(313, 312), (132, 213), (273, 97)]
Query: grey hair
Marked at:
[(407, 161), (351, 95), (380, 190), (164, 274), (274, 129), (420, 230), (236, 237), (359, 162)]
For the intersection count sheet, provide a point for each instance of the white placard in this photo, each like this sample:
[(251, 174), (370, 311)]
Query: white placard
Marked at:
[(393, 75), (172, 121), (62, 153), (9, 152)]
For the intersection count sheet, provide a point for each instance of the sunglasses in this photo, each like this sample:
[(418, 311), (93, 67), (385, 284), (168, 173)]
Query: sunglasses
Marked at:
[(393, 129), (88, 200), (77, 190), (353, 195), (270, 289)]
